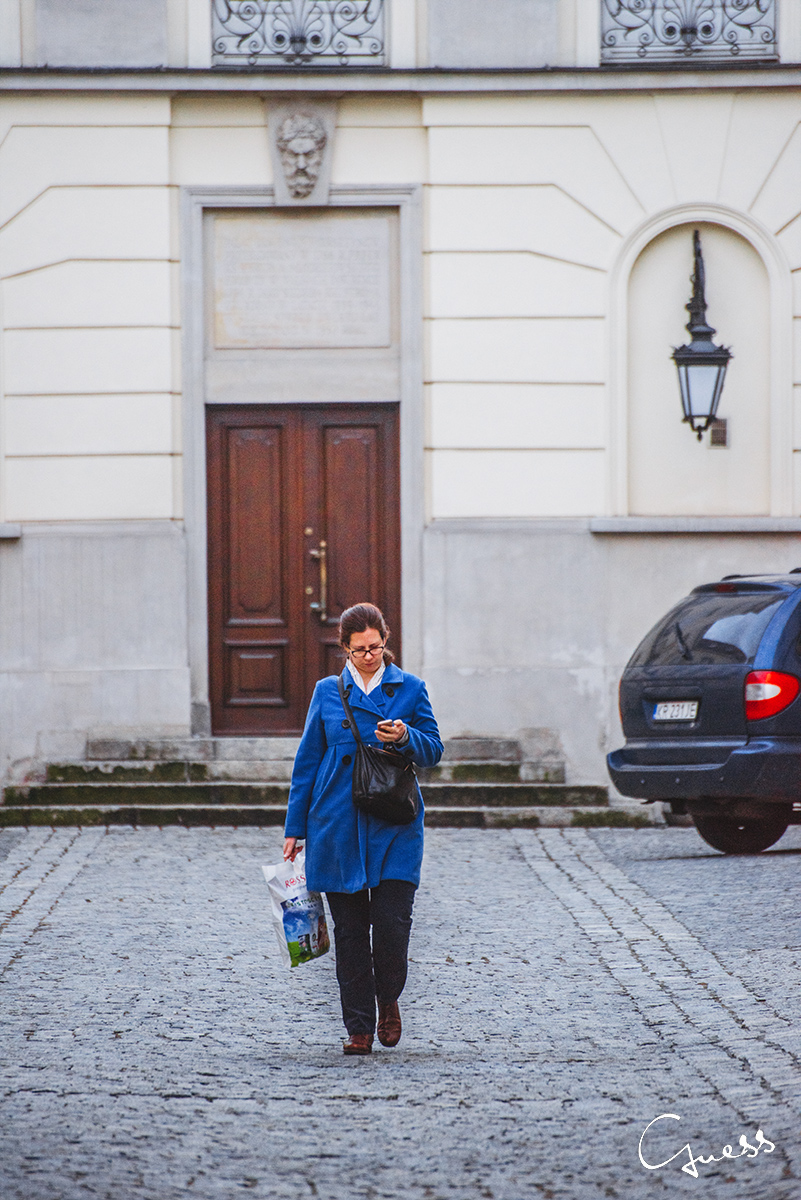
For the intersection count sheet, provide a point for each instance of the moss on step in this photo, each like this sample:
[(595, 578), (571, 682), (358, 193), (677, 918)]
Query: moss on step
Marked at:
[(156, 772), (189, 816), (612, 818), (87, 795), (513, 795), (472, 773)]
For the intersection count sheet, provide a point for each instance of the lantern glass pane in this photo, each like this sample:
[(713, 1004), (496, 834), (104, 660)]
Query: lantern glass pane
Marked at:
[(685, 395), (719, 386), (702, 388)]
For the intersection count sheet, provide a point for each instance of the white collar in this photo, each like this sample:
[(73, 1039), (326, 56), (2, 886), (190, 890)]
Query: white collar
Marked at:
[(367, 688)]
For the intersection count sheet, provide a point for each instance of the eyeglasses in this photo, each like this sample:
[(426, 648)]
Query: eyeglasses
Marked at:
[(361, 651)]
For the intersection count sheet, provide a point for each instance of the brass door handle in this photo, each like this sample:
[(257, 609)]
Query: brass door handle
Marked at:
[(321, 606)]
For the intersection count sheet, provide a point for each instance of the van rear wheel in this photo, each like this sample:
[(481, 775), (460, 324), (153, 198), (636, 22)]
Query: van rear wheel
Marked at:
[(746, 835)]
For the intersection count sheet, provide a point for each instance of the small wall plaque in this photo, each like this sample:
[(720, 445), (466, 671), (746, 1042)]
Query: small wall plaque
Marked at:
[(719, 432)]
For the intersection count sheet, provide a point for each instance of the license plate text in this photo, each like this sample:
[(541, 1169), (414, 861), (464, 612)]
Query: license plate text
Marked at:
[(676, 710)]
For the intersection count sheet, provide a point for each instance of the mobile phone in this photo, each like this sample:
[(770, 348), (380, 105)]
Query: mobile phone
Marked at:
[(385, 724)]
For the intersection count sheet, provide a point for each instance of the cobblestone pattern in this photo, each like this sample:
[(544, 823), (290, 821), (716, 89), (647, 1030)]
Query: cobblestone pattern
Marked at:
[(566, 988), (36, 877)]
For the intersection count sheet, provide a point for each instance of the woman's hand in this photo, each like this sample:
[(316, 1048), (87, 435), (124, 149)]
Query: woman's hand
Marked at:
[(390, 731), (291, 849)]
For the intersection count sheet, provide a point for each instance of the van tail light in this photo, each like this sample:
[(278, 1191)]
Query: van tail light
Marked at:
[(768, 693)]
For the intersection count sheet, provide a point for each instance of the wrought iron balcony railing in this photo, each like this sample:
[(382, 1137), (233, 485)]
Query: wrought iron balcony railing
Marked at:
[(298, 33), (677, 30)]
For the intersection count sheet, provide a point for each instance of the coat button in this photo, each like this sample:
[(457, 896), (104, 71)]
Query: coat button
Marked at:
[(390, 691), (346, 724), (347, 760)]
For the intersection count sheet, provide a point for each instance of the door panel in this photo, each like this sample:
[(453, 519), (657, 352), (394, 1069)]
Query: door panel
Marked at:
[(355, 494), (256, 461), (295, 492), (251, 489), (350, 471)]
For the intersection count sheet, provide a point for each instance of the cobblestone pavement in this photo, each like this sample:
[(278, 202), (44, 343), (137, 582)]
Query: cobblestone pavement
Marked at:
[(567, 987)]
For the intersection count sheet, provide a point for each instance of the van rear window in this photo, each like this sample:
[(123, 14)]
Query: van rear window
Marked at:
[(707, 629)]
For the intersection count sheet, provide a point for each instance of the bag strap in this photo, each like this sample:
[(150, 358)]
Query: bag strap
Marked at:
[(348, 711)]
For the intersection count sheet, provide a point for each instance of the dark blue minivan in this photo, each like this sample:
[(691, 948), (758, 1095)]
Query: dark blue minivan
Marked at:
[(711, 709)]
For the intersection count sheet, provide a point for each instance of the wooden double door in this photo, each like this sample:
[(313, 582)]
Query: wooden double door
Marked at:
[(303, 521)]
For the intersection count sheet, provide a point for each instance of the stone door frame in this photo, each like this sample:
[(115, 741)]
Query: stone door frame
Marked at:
[(194, 203)]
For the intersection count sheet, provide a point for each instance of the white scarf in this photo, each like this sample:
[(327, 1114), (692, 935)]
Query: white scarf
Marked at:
[(374, 680)]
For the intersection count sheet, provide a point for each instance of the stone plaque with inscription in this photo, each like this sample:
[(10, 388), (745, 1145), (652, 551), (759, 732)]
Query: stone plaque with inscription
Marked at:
[(284, 281)]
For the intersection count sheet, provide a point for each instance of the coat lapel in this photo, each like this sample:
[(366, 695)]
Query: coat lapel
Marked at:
[(356, 697), (393, 677)]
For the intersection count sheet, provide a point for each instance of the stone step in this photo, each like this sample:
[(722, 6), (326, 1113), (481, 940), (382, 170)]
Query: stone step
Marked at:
[(150, 791), (126, 772), (170, 792), (142, 814), (132, 771), (514, 795), (266, 749), (536, 761), (461, 771), (197, 749), (188, 815), (467, 749), (277, 771)]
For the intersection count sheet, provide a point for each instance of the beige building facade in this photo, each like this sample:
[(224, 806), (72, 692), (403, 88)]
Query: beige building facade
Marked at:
[(498, 244)]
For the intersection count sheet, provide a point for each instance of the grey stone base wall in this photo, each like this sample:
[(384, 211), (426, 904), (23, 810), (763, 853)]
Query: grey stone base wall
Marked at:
[(92, 636), (530, 623)]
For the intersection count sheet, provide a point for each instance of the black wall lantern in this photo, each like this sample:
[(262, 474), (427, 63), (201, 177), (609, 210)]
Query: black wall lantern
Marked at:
[(702, 364)]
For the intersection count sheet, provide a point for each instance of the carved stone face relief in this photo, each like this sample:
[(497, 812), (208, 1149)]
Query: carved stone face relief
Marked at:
[(301, 143)]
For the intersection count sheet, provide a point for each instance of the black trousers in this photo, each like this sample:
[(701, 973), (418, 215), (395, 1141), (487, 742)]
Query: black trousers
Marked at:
[(366, 972)]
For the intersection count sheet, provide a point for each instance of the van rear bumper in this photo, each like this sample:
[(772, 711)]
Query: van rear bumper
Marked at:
[(766, 768)]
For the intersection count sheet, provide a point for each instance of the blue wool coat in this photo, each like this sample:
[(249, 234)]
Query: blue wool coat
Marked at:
[(347, 850)]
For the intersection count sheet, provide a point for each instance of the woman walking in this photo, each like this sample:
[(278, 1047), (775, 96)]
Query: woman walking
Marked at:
[(368, 868)]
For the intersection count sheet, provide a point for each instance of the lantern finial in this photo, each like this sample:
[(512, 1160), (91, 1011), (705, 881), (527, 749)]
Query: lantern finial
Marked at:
[(697, 325)]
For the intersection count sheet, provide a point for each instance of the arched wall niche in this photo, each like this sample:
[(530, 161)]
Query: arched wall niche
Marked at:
[(657, 467)]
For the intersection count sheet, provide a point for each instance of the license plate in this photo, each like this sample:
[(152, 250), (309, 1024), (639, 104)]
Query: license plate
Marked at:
[(676, 710)]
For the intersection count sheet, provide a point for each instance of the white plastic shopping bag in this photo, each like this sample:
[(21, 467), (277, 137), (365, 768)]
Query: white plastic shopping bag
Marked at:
[(298, 915)]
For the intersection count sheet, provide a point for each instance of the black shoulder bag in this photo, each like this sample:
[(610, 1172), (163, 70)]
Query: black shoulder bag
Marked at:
[(384, 781)]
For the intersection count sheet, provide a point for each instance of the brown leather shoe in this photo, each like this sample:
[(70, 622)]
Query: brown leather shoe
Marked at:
[(358, 1043), (389, 1024)]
